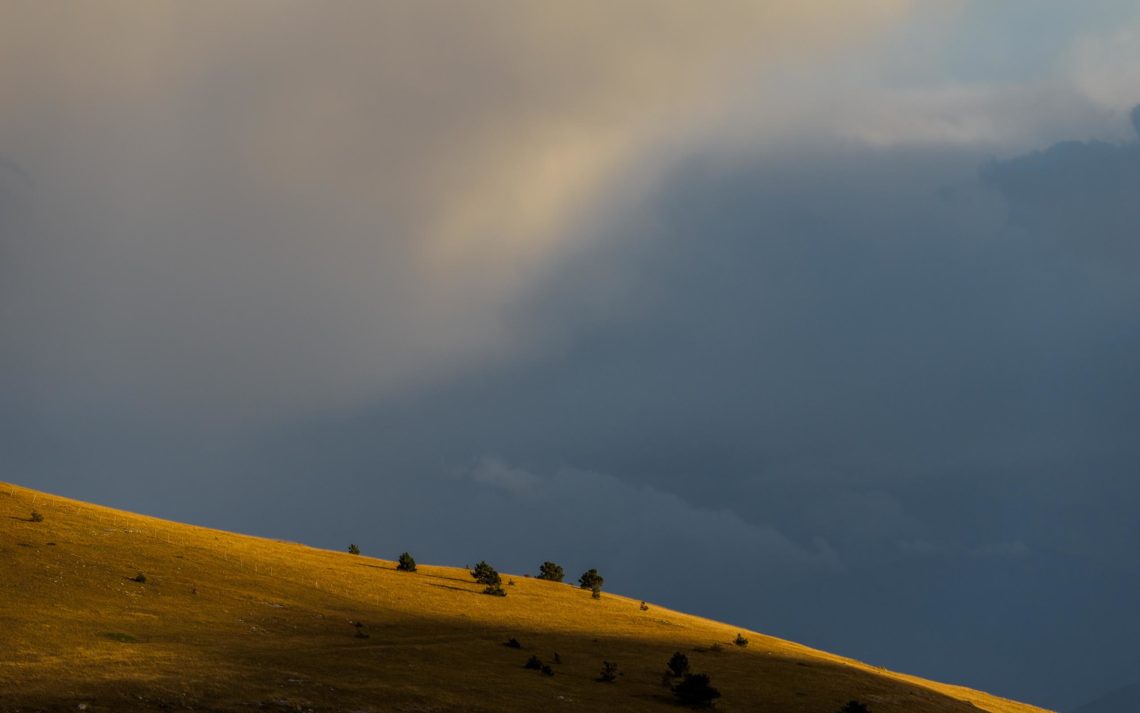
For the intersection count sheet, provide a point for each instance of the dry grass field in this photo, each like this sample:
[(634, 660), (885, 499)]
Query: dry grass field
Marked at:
[(228, 622)]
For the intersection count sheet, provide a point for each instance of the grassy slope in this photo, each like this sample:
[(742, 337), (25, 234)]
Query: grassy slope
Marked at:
[(230, 622)]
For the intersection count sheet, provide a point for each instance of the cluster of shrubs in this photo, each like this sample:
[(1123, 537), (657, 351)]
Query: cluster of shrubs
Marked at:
[(593, 581), (609, 672), (534, 663), (690, 689), (486, 575), (550, 572)]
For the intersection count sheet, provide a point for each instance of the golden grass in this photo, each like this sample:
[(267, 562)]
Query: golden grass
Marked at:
[(231, 622)]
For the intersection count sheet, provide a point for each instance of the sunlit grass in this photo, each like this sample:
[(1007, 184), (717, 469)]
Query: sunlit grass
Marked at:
[(226, 621)]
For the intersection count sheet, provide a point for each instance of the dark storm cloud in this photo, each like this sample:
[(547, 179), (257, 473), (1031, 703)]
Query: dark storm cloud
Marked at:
[(883, 400), (889, 396)]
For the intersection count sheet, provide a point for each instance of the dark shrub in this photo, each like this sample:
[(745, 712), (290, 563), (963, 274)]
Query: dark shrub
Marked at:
[(353, 549), (694, 690), (513, 643), (486, 574), (547, 670), (591, 579), (533, 663), (854, 707), (644, 607), (140, 578), (678, 664), (551, 572), (740, 641), (609, 672), (495, 590), (596, 590), (36, 516), (406, 563)]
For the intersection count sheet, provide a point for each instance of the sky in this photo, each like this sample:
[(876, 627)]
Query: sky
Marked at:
[(823, 320)]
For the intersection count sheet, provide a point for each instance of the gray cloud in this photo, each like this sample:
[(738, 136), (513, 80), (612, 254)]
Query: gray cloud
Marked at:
[(249, 214), (888, 352), (274, 282)]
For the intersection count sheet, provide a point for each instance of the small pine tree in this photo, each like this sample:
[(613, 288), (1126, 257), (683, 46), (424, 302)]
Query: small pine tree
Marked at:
[(551, 572), (609, 672), (36, 516), (406, 563), (533, 663), (854, 707), (353, 549), (513, 643), (678, 664), (590, 578), (694, 690), (486, 574), (740, 640)]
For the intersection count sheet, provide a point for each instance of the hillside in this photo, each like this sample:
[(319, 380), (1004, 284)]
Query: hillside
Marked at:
[(231, 622)]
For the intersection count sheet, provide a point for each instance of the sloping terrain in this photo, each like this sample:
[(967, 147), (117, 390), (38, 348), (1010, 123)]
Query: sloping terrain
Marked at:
[(231, 622)]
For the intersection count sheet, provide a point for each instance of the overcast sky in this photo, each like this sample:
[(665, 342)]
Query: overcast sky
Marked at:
[(823, 320)]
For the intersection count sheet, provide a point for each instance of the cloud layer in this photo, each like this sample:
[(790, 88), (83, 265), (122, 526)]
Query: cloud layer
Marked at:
[(263, 209), (841, 308)]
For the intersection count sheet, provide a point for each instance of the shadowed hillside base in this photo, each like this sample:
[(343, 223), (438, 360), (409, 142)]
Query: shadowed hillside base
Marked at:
[(230, 622)]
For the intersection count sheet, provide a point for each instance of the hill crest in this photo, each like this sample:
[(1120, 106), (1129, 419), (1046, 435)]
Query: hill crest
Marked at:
[(234, 622)]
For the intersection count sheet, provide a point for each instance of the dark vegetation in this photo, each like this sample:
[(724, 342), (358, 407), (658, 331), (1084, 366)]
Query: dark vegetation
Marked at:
[(854, 707), (591, 580), (740, 640), (695, 690), (513, 643), (406, 563), (550, 572), (486, 575), (353, 549), (609, 672), (37, 516), (678, 664)]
